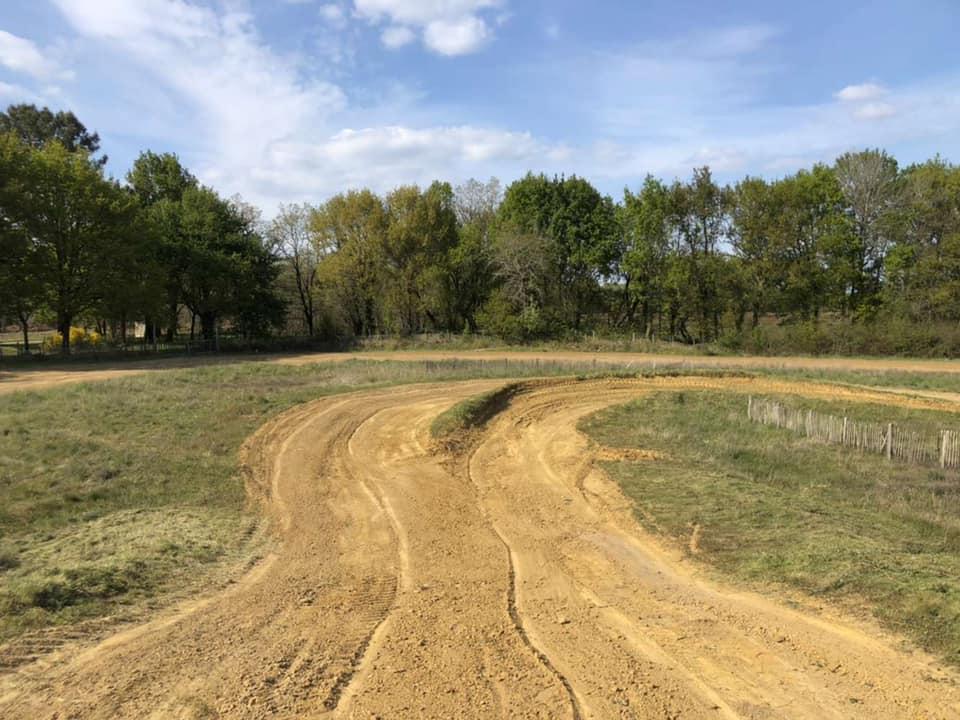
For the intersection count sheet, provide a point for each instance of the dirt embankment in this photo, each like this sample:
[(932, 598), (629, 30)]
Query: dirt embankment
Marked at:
[(513, 582)]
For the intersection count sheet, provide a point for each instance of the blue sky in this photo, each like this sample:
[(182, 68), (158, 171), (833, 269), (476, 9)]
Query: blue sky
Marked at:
[(295, 100)]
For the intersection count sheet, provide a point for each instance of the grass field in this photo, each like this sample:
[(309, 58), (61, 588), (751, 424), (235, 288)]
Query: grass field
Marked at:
[(766, 506)]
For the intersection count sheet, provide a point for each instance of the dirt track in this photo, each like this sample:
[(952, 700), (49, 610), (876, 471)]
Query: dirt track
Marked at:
[(32, 378), (512, 582)]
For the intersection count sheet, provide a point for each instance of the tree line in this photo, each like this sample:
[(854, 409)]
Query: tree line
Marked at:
[(859, 245)]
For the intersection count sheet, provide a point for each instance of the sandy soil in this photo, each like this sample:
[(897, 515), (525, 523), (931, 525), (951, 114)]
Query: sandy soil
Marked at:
[(508, 581), (36, 378)]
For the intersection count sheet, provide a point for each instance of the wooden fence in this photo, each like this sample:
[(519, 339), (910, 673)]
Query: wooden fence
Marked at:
[(880, 438)]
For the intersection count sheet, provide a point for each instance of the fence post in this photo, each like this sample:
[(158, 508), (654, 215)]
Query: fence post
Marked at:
[(749, 407), (843, 436), (889, 441)]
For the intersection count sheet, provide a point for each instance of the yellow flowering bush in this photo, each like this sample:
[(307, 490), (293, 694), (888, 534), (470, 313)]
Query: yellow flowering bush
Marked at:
[(79, 338)]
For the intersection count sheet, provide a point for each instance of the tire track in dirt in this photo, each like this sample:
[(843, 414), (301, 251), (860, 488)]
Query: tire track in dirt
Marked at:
[(515, 616), (513, 582), (361, 660)]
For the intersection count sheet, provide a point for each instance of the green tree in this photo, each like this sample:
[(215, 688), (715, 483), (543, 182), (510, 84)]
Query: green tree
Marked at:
[(421, 231), (228, 270), (159, 182), (157, 177), (21, 288), (921, 275), (350, 231), (469, 264), (76, 222), (580, 226), (872, 188), (38, 126), (291, 233), (699, 211), (644, 221)]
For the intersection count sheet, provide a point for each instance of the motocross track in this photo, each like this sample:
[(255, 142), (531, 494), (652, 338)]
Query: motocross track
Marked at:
[(510, 580)]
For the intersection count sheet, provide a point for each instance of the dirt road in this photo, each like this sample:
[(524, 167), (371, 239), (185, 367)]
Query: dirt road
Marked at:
[(29, 377), (511, 581)]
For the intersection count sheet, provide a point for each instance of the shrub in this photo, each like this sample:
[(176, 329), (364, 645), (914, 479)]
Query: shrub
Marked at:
[(79, 338)]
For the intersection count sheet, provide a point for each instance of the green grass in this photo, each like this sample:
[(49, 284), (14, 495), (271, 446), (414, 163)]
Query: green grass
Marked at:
[(117, 494), (774, 507), (472, 412), (929, 422), (935, 381)]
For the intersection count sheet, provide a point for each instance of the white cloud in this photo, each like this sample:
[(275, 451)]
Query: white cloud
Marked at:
[(396, 36), (384, 157), (449, 27), (875, 111), (246, 120), (861, 93), (234, 96), (333, 14), (456, 37), (22, 55), (249, 119)]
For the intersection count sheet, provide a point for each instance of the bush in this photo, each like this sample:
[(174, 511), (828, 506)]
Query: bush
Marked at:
[(834, 336), (79, 338)]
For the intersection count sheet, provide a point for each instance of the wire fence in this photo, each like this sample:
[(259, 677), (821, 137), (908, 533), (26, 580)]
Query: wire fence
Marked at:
[(887, 439)]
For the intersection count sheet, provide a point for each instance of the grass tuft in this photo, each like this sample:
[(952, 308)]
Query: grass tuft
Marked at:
[(472, 412)]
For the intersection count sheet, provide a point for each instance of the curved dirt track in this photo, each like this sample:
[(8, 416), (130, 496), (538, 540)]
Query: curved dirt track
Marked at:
[(511, 581)]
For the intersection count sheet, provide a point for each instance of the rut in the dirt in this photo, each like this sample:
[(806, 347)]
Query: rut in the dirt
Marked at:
[(513, 583)]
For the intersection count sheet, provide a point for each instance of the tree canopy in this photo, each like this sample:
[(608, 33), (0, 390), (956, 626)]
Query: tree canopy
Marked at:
[(859, 243)]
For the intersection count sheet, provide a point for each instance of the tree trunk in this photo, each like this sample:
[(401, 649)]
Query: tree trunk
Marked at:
[(63, 327), (25, 329), (174, 321), (208, 324)]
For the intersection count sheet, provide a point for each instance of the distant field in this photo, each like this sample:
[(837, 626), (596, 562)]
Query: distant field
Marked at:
[(765, 505)]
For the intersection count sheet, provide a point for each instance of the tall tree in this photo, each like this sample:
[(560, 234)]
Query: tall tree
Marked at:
[(579, 224), (350, 232), (157, 177), (422, 229), (76, 221), (290, 232), (700, 214), (38, 126), (159, 182), (871, 185), (644, 220), (21, 288), (228, 271), (922, 270)]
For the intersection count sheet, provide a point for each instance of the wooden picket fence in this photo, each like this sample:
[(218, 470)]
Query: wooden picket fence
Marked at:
[(880, 438)]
